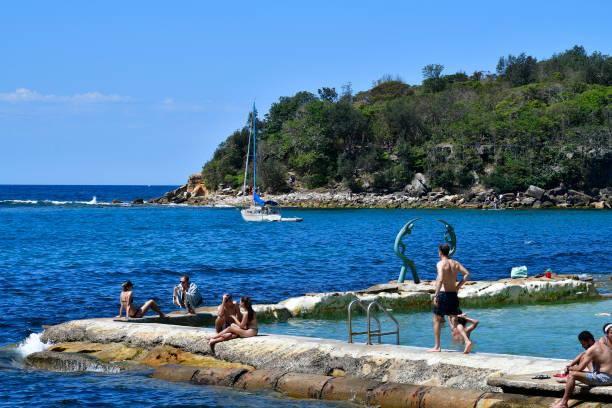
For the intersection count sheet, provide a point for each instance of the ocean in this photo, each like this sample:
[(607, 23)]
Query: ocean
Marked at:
[(64, 254)]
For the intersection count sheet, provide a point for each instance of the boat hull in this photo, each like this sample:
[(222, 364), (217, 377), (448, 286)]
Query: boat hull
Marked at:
[(261, 214)]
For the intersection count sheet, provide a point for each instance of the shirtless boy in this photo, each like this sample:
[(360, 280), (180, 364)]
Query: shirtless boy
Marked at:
[(599, 356), (226, 310), (446, 302)]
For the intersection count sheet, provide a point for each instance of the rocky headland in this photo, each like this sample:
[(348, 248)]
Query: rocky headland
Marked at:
[(417, 194)]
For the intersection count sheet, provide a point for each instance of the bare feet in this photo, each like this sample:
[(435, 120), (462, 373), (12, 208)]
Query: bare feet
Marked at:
[(163, 315), (468, 347), (562, 380), (191, 310), (434, 350), (559, 404)]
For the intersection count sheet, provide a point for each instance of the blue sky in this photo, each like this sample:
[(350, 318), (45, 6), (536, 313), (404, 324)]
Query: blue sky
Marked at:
[(142, 92)]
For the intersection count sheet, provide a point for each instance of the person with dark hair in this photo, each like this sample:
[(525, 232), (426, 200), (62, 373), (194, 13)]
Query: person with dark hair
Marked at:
[(227, 312), (247, 327), (446, 302), (127, 302), (187, 295), (599, 356), (459, 327), (606, 339)]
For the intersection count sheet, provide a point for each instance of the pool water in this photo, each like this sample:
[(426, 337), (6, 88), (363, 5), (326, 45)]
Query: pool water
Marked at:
[(534, 330)]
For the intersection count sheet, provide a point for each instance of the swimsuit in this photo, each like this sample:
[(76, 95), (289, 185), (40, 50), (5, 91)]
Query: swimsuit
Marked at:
[(448, 304), (596, 378)]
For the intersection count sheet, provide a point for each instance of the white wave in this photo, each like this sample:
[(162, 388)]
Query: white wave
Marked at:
[(529, 242), (93, 201), (31, 344), (96, 368), (19, 201)]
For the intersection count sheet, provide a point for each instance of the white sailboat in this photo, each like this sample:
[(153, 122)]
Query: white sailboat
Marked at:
[(260, 211)]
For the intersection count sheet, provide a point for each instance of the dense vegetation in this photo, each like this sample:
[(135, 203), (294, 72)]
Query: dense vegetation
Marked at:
[(531, 122)]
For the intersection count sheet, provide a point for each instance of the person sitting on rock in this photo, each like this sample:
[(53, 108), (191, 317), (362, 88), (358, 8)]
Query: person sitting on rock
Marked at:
[(245, 327), (598, 356), (226, 313), (127, 302), (187, 295), (606, 339), (460, 330)]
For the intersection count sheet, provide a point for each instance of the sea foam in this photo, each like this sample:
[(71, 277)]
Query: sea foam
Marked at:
[(31, 344)]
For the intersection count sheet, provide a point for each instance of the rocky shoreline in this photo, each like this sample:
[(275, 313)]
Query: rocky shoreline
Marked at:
[(417, 194)]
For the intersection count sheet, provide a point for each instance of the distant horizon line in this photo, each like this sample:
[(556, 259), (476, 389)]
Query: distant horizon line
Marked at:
[(99, 185)]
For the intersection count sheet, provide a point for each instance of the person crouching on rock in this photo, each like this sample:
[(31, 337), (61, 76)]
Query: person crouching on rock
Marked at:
[(598, 356), (127, 303), (227, 313), (247, 327), (187, 295)]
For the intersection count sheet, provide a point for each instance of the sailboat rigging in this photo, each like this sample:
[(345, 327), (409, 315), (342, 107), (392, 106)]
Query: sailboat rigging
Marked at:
[(260, 211)]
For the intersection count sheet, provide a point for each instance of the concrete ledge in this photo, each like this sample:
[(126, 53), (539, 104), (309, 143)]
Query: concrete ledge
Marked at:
[(401, 364), (525, 384), (177, 318), (368, 392)]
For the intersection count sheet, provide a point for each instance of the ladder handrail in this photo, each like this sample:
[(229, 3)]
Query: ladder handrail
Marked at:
[(369, 315), (396, 332), (357, 301)]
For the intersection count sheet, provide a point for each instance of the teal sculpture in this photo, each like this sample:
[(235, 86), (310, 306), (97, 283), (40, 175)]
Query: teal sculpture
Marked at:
[(449, 237), (400, 248)]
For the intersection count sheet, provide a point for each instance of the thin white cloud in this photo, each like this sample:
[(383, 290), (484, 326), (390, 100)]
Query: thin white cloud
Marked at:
[(23, 95), (169, 104)]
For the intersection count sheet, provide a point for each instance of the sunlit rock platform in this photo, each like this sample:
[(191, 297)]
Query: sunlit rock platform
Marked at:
[(402, 364), (383, 375), (408, 296)]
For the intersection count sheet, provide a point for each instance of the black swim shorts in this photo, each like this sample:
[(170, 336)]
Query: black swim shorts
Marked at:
[(448, 304)]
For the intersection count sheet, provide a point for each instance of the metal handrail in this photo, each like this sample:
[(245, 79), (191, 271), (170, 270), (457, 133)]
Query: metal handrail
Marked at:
[(396, 332), (371, 332)]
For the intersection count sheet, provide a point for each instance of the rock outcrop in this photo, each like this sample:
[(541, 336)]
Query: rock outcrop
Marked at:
[(408, 296), (414, 195)]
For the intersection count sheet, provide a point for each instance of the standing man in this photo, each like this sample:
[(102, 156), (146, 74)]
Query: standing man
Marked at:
[(446, 302), (187, 295), (599, 356)]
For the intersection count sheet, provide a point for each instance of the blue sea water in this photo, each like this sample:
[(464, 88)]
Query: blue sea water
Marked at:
[(64, 255)]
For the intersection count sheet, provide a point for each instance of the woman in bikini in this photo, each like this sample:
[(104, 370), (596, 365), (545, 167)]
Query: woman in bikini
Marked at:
[(245, 328), (127, 303)]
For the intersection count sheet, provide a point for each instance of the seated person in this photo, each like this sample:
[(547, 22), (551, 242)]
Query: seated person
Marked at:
[(127, 302), (245, 327), (227, 311), (461, 331), (187, 295), (606, 339), (599, 356)]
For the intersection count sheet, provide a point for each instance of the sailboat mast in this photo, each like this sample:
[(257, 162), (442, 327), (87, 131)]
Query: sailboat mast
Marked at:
[(246, 168), (254, 156)]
